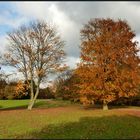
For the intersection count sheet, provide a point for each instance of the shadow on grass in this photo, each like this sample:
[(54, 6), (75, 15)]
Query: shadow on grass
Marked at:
[(99, 106), (117, 106), (109, 127), (14, 108)]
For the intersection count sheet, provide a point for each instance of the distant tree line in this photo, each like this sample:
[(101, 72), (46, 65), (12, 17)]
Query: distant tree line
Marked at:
[(19, 90)]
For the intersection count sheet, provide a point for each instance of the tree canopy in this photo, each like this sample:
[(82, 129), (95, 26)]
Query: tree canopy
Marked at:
[(36, 50), (109, 67)]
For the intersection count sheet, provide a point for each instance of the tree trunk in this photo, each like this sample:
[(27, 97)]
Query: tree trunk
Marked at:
[(31, 104), (32, 89), (105, 106), (32, 101)]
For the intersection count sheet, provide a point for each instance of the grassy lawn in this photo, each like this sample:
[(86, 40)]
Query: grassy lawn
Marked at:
[(18, 104), (60, 119)]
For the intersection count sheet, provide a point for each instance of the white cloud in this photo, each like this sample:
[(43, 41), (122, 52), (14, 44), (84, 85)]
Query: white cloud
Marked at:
[(72, 61), (59, 18), (49, 11), (38, 10), (127, 11), (67, 28), (69, 17), (3, 42), (14, 23)]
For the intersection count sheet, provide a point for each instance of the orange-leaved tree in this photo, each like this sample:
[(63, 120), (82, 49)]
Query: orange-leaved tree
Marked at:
[(109, 67), (65, 85)]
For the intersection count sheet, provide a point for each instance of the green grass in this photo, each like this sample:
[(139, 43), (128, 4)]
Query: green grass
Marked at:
[(55, 119), (112, 127), (43, 103), (5, 104)]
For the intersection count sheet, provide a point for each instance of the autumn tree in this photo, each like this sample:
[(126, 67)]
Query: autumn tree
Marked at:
[(109, 67), (66, 85), (3, 83), (21, 90), (36, 50)]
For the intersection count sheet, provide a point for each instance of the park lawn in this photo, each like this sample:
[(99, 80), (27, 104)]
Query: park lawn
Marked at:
[(66, 120), (22, 104)]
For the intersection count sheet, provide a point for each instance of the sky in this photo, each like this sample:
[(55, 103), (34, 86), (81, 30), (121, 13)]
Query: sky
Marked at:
[(68, 17)]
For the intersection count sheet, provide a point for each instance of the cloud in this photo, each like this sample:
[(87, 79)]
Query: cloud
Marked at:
[(10, 18), (32, 9), (72, 61), (69, 17), (3, 41), (13, 23), (68, 29), (50, 12), (81, 12)]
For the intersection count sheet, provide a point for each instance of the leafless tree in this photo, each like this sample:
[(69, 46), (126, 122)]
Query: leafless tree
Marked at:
[(36, 50)]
